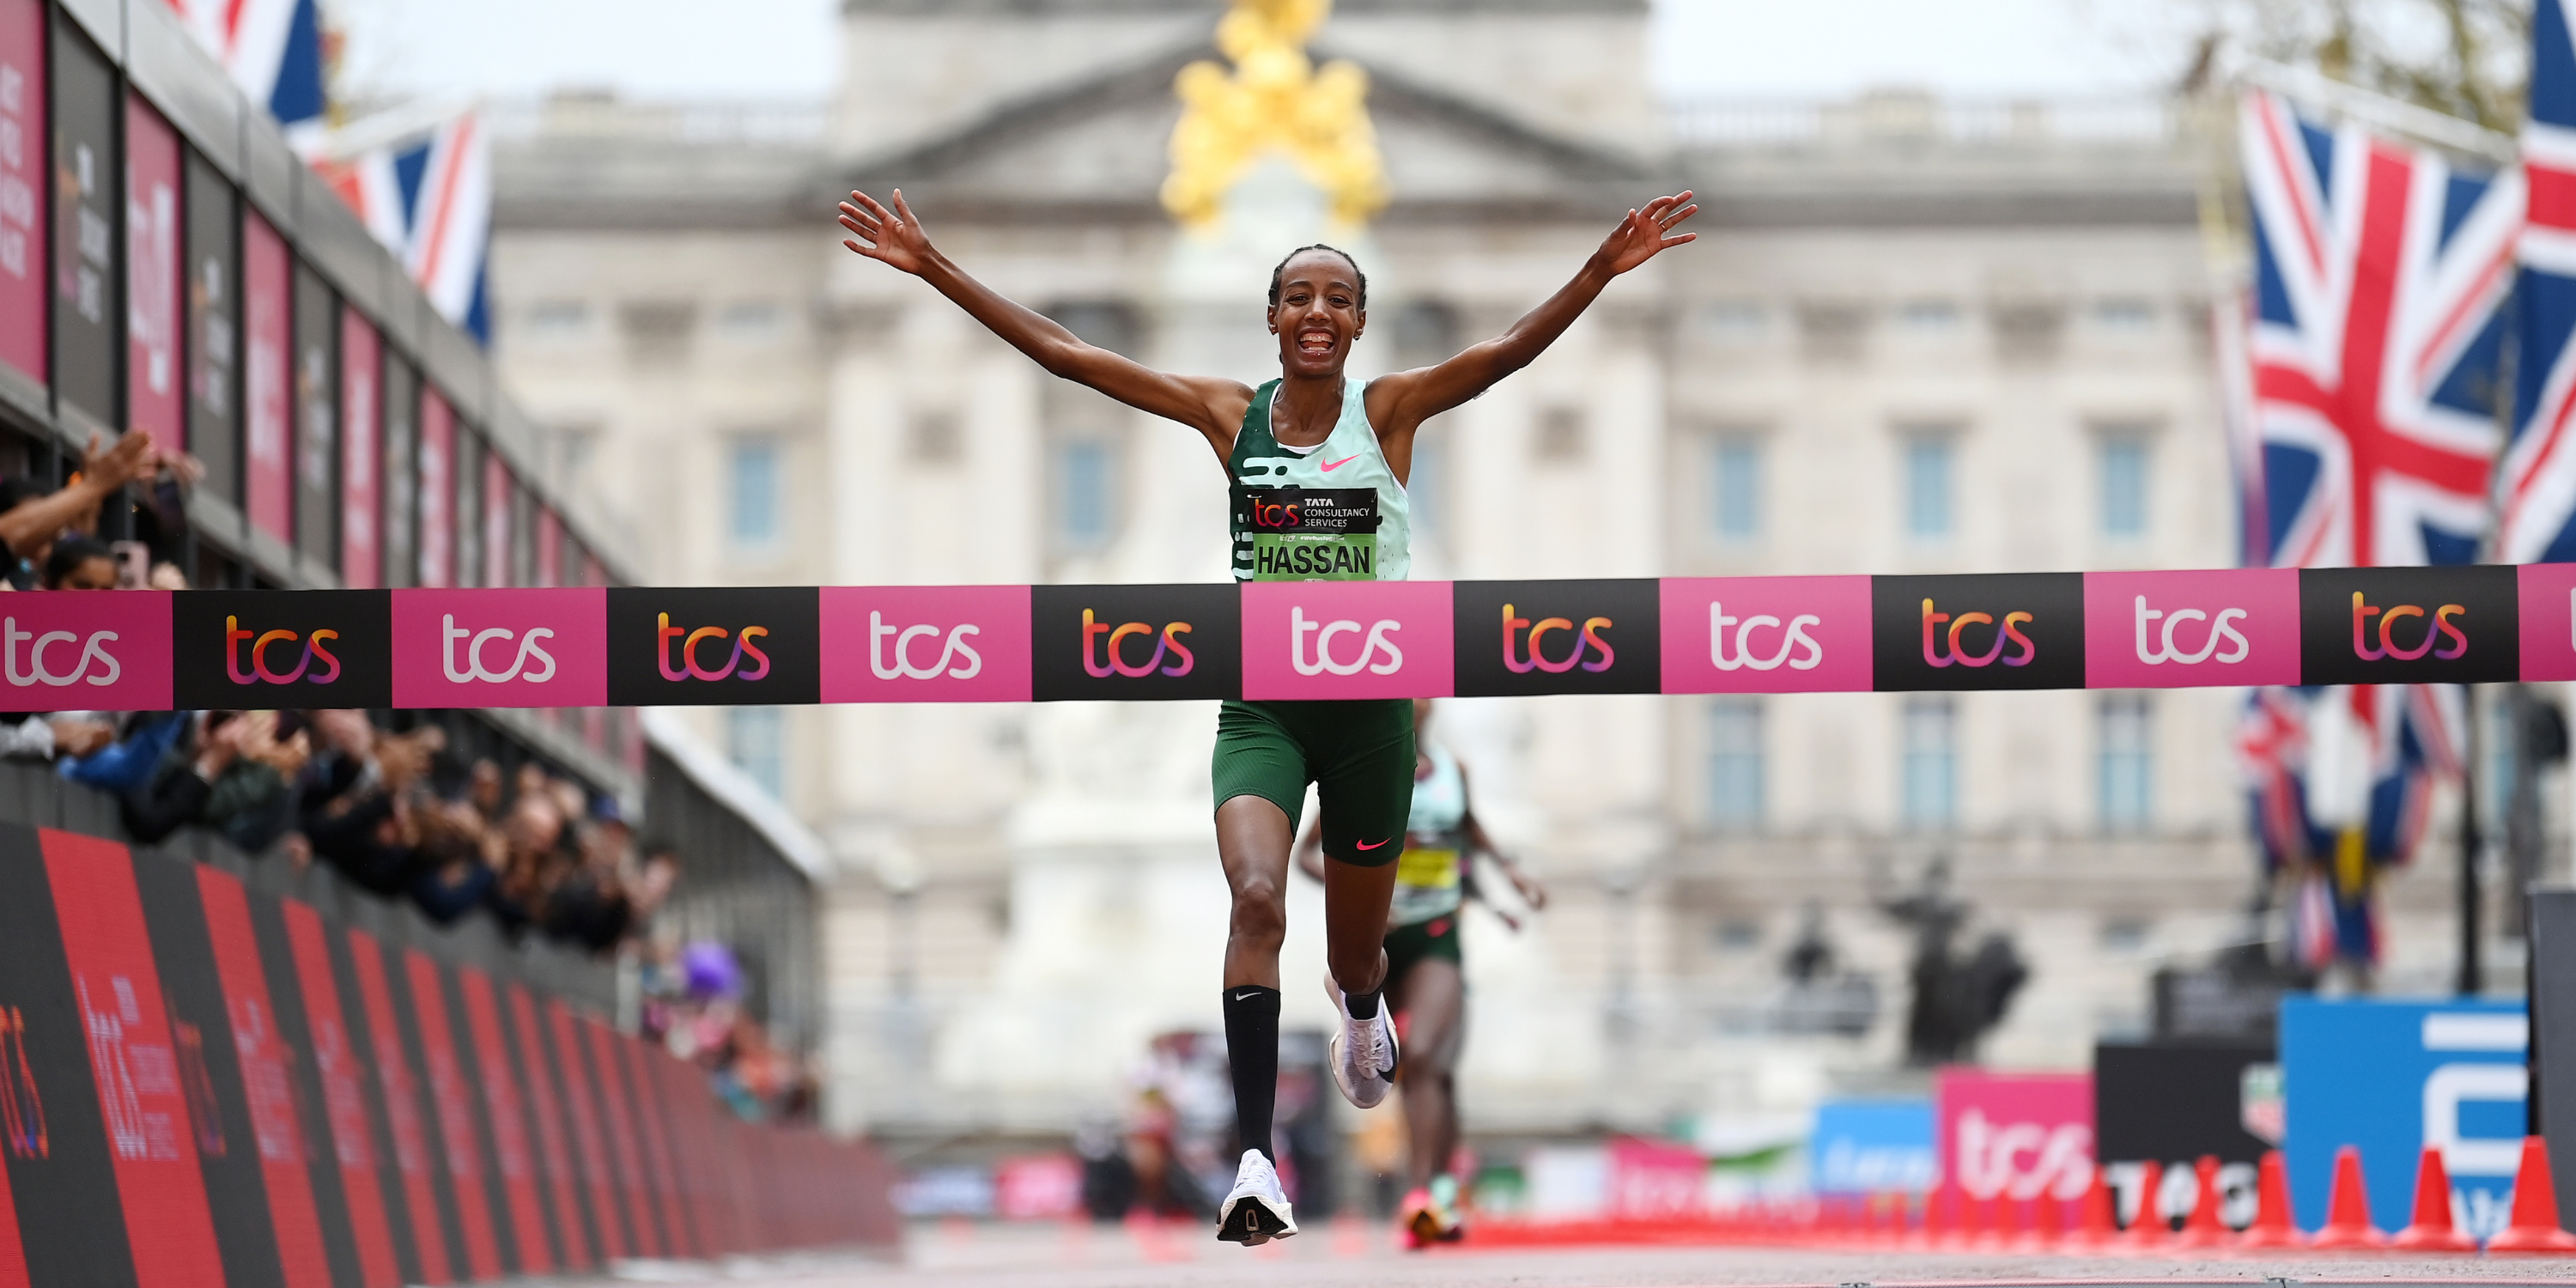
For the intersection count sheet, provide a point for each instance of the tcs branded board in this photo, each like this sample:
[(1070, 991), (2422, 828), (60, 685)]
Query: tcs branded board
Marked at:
[(1322, 639), (204, 1084)]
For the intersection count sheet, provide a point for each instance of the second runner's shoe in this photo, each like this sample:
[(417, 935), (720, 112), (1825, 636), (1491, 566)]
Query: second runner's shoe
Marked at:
[(1256, 1210), (1362, 1054)]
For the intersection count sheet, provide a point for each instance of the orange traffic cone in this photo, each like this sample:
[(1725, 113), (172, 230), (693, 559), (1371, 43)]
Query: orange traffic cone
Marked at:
[(1950, 1217), (2147, 1229), (2095, 1226), (2535, 1226), (2348, 1208), (2203, 1228), (2431, 1230), (2272, 1226)]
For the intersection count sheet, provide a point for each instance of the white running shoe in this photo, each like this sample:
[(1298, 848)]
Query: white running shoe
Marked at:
[(1362, 1055), (1257, 1210)]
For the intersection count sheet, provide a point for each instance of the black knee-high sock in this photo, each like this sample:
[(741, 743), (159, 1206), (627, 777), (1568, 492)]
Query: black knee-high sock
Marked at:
[(1252, 1046)]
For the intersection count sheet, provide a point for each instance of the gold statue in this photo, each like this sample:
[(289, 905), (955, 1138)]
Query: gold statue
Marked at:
[(1275, 99)]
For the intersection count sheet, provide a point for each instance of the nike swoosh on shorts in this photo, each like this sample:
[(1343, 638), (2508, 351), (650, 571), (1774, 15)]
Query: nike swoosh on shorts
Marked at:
[(1366, 846)]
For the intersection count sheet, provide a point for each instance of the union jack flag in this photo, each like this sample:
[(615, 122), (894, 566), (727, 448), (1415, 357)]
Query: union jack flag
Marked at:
[(2380, 275), (2538, 524), (271, 48), (2377, 328), (428, 198)]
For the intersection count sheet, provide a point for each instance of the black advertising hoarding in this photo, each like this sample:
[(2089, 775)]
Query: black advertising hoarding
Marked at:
[(214, 328), (317, 419), (2458, 625), (2174, 1102), (1525, 637), (1981, 631), (401, 406), (232, 1148), (61, 1172), (755, 646), (85, 195), (238, 649), (1135, 643)]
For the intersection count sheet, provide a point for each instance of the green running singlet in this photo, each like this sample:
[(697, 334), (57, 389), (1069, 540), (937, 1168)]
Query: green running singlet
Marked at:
[(1336, 513)]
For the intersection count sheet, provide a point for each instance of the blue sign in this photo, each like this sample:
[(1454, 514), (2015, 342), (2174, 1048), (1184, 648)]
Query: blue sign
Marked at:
[(1872, 1147), (2392, 1078)]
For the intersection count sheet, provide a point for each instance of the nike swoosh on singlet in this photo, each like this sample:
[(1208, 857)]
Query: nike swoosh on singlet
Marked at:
[(1329, 467), (1365, 846)]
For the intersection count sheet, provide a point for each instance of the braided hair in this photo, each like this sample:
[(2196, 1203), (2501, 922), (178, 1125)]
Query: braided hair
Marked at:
[(1277, 273)]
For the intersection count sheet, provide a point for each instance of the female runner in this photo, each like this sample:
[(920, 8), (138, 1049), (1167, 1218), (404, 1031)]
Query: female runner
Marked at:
[(1425, 985), (1308, 432)]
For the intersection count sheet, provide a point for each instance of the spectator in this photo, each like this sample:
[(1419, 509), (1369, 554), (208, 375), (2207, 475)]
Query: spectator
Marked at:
[(34, 516), (231, 777), (78, 563)]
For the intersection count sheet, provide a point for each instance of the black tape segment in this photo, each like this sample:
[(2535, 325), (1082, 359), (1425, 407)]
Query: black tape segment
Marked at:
[(210, 1071), (752, 646), (2410, 625), (1983, 631), (1531, 637), (71, 1221), (259, 648), (1135, 643)]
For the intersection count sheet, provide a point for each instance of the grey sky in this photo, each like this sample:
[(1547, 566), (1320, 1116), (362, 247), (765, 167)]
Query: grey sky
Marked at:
[(1755, 48)]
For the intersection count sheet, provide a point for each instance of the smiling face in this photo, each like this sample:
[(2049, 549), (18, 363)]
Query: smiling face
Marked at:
[(1318, 314)]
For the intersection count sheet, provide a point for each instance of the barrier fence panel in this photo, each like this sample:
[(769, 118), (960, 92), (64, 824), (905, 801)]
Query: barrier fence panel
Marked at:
[(146, 650), (205, 1083)]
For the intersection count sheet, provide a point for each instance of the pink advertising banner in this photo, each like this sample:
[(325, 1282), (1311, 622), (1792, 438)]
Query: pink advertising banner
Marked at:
[(498, 500), (2175, 630), (73, 650), (2015, 1135), (268, 279), (925, 643), (437, 490), (2548, 621), (1312, 640), (155, 397), (1766, 634), (549, 547), (362, 425), (500, 648), (23, 191)]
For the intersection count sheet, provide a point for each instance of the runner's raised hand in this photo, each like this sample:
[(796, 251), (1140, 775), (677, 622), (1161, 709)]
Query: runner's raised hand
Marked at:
[(890, 237), (1645, 232)]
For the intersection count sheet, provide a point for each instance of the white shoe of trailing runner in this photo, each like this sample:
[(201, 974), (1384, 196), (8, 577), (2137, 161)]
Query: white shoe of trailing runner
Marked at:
[(1362, 1054), (1256, 1210)]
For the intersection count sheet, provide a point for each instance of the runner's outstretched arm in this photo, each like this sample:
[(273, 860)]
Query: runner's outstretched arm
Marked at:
[(1412, 397), (894, 237), (1479, 842)]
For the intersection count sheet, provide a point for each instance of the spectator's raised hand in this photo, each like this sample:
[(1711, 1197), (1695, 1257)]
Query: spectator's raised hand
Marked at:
[(80, 736), (116, 464)]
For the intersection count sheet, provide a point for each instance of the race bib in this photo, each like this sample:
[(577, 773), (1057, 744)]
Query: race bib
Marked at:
[(1309, 534), (1429, 869)]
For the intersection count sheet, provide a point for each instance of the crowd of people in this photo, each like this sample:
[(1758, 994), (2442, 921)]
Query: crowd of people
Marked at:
[(393, 811), (694, 1004)]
